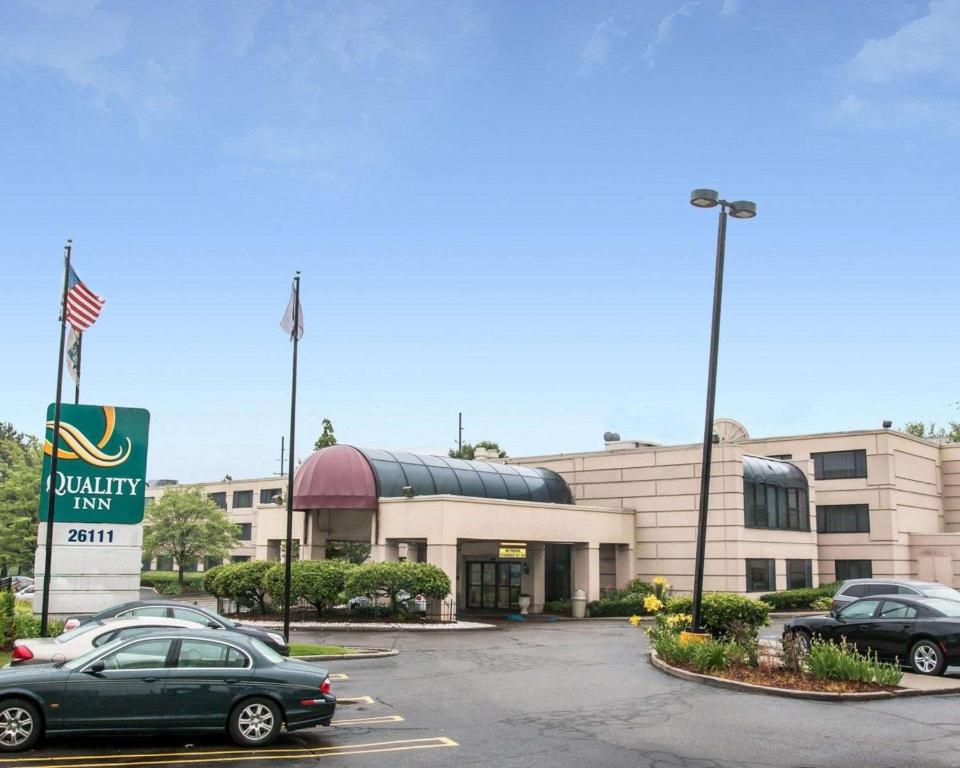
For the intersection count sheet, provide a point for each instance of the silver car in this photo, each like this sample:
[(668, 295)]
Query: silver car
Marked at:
[(86, 637), (854, 589)]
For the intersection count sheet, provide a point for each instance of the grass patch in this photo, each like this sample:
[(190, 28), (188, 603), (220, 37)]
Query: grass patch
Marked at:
[(5, 658), (310, 649)]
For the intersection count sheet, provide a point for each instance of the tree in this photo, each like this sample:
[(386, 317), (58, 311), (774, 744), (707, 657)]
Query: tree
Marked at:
[(319, 582), (930, 431), (186, 525), (468, 451), (327, 438), (21, 460), (245, 583)]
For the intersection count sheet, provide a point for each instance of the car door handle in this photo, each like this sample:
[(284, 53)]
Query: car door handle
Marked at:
[(150, 679), (231, 680)]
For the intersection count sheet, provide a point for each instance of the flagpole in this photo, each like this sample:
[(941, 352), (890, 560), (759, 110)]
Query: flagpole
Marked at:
[(55, 442), (293, 421), (76, 391)]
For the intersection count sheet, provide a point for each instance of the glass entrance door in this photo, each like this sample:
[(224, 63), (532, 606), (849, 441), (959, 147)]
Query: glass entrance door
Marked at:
[(493, 585)]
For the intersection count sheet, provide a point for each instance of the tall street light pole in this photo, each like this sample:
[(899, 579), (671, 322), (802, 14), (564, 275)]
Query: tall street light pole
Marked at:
[(741, 209)]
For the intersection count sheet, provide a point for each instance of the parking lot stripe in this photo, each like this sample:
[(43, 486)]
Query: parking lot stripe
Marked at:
[(234, 756), (338, 677), (347, 701), (369, 720)]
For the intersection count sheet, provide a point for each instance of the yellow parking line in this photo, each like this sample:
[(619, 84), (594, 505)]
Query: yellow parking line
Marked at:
[(338, 677), (233, 756), (369, 720), (355, 700)]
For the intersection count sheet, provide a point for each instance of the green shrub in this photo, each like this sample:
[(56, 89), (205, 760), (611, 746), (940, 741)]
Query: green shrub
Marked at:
[(709, 656), (829, 661), (627, 605), (724, 613), (559, 607), (318, 582), (388, 580), (211, 580), (244, 582), (798, 599), (638, 586), (169, 588), (671, 650), (17, 621), (159, 580), (822, 604)]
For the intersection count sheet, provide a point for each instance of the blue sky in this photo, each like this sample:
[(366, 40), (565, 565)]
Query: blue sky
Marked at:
[(488, 202)]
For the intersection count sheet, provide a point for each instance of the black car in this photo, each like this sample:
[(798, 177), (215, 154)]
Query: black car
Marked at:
[(923, 632), (173, 680), (173, 609)]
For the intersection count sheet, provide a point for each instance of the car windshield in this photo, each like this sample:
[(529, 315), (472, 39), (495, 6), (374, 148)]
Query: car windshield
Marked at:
[(267, 652), (66, 637), (939, 590), (946, 607)]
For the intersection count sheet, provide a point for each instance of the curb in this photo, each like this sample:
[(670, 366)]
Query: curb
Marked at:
[(317, 626), (362, 653), (734, 685)]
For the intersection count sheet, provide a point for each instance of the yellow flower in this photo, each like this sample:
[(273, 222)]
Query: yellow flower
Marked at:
[(635, 620), (652, 604), (659, 581)]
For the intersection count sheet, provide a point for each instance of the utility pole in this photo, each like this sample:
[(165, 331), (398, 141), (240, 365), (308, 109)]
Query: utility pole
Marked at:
[(281, 456), (460, 434)]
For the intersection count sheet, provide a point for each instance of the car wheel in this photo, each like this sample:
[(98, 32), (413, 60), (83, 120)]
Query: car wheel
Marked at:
[(926, 658), (255, 722), (20, 725)]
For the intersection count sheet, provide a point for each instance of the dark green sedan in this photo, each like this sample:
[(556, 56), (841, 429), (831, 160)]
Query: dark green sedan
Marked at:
[(177, 680)]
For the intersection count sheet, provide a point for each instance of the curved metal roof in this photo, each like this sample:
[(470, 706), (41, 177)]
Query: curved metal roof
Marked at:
[(429, 475), (757, 469)]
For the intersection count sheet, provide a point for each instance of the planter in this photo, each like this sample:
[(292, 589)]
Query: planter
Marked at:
[(524, 602)]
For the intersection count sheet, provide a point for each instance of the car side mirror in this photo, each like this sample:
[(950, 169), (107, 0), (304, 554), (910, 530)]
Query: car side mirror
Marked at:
[(213, 625), (96, 668)]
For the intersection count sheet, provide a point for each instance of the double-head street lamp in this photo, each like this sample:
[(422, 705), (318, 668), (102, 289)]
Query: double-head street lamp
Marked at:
[(741, 209)]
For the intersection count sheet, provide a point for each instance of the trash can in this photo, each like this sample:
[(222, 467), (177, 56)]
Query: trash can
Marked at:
[(579, 604)]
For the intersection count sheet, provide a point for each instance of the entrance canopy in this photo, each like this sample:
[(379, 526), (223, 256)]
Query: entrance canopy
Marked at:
[(344, 477)]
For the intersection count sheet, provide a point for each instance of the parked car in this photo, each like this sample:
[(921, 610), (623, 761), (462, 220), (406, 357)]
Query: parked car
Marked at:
[(24, 593), (173, 680), (173, 609), (923, 632), (854, 589), (86, 637)]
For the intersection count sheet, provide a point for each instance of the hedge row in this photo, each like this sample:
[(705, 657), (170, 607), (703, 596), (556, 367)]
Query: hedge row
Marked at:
[(168, 583), (324, 583), (724, 613), (799, 599)]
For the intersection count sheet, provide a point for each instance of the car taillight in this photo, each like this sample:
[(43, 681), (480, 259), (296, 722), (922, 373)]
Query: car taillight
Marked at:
[(325, 686), (21, 653), (71, 624)]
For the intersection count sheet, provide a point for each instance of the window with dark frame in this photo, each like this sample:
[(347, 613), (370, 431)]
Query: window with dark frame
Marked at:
[(843, 518), (837, 465), (799, 574), (242, 499), (269, 495), (761, 575), (780, 456), (853, 569), (770, 506), (211, 562), (245, 531), (220, 499), (240, 558)]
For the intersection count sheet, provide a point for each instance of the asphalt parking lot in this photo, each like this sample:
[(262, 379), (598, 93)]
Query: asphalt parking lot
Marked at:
[(545, 695)]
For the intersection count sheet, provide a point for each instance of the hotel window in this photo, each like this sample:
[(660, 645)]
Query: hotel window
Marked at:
[(268, 495), (853, 569), (769, 506), (220, 499), (781, 456), (245, 531), (211, 562), (837, 465), (242, 499), (165, 563), (799, 574), (843, 518), (761, 576), (240, 558)]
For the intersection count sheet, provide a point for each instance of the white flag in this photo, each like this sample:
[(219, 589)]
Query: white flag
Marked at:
[(72, 355), (287, 322)]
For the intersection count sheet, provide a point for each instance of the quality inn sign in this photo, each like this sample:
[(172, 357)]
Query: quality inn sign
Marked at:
[(101, 464)]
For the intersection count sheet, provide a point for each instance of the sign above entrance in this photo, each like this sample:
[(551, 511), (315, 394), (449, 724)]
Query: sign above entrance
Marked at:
[(513, 549), (102, 464)]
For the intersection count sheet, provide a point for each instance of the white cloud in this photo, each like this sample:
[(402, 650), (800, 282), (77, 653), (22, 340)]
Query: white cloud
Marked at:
[(924, 46), (601, 42), (730, 8), (895, 116), (665, 30)]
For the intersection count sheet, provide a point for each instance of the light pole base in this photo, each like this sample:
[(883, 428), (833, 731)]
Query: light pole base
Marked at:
[(688, 638)]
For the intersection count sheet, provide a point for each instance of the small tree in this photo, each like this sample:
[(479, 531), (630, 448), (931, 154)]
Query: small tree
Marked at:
[(468, 451), (930, 431), (327, 438), (186, 525), (20, 463), (319, 582), (351, 551)]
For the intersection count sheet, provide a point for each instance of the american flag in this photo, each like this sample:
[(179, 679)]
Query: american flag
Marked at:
[(83, 305)]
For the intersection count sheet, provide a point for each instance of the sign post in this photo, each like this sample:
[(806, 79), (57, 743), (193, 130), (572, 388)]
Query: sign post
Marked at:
[(98, 505)]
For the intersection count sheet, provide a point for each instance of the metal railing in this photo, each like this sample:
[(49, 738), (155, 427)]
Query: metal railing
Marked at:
[(441, 611)]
